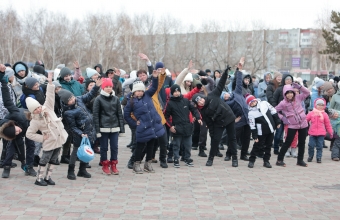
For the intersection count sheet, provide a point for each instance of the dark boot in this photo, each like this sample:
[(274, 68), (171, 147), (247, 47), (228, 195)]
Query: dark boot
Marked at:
[(202, 153), (221, 147), (130, 164), (82, 171), (227, 157), (163, 164), (29, 171), (219, 153), (70, 172), (40, 177), (6, 172), (210, 161), (65, 159), (234, 161), (36, 160)]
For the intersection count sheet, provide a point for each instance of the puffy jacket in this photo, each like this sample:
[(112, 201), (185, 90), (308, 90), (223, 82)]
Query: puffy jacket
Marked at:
[(335, 101), (262, 88), (73, 86), (278, 94), (35, 94), (107, 114), (78, 118), (179, 109), (143, 110), (246, 89), (270, 92), (293, 113), (319, 125)]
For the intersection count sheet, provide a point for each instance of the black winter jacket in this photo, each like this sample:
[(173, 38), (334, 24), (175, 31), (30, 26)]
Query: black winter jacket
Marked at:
[(270, 92), (278, 94), (215, 111), (179, 109), (107, 114)]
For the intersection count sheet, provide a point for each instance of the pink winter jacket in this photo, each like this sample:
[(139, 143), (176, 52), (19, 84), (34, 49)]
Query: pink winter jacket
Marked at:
[(319, 126), (291, 112)]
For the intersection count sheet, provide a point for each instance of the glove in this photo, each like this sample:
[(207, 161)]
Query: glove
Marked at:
[(199, 86), (204, 81), (227, 69), (265, 91), (285, 120), (3, 78)]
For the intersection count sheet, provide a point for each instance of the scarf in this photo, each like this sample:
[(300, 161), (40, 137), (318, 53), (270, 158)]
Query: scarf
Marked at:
[(318, 112)]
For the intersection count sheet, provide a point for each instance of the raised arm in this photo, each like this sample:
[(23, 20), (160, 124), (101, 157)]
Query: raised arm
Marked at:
[(50, 93), (152, 90), (77, 72), (92, 94), (181, 76), (219, 89)]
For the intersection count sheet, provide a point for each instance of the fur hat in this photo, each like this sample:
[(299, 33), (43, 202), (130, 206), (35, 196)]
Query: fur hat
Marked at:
[(138, 85), (9, 132), (32, 104), (30, 82), (64, 72), (175, 88), (249, 99), (159, 65), (91, 72), (106, 82), (65, 95)]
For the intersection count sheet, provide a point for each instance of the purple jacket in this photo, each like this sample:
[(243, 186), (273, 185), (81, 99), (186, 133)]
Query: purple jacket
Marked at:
[(291, 112)]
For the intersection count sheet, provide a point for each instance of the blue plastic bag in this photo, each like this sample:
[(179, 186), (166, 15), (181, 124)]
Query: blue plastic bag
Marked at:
[(85, 152)]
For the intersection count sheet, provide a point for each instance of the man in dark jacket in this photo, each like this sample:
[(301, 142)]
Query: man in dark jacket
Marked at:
[(219, 117), (180, 126)]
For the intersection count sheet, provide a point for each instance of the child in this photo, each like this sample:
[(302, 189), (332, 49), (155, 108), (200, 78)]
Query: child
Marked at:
[(294, 115), (179, 109), (53, 134), (335, 121), (108, 120), (263, 121), (319, 125)]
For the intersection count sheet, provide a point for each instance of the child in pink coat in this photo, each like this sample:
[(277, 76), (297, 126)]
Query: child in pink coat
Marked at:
[(319, 126)]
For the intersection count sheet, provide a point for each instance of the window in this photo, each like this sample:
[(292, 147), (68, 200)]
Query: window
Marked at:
[(286, 63), (305, 62)]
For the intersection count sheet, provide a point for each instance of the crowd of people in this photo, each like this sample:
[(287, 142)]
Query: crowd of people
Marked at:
[(45, 116)]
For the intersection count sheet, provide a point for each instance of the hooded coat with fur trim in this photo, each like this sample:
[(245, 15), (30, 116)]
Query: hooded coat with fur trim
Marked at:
[(292, 112)]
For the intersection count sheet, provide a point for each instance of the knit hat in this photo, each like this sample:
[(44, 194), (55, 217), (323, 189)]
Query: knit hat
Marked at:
[(19, 67), (138, 85), (208, 71), (30, 82), (56, 84), (319, 102), (87, 82), (32, 104), (9, 132), (197, 97), (331, 112), (64, 72), (277, 74), (91, 72), (106, 82), (65, 95), (188, 77), (39, 69), (7, 65), (175, 88), (327, 86), (40, 63), (336, 79), (159, 65), (249, 99), (9, 72), (202, 73), (319, 83), (60, 66)]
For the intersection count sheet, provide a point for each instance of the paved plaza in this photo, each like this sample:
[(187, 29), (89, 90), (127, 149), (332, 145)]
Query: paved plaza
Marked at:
[(200, 192)]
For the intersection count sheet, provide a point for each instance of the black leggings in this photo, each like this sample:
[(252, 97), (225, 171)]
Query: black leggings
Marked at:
[(302, 134)]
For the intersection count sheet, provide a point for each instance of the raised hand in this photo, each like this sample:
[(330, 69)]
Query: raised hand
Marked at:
[(99, 82), (116, 71), (50, 77), (190, 65), (143, 56), (155, 73), (76, 64), (240, 63), (2, 68)]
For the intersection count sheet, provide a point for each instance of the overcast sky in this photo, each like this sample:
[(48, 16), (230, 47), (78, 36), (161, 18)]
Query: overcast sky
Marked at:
[(275, 14)]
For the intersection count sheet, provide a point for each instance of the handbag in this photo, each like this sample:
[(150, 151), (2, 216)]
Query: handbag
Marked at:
[(85, 152)]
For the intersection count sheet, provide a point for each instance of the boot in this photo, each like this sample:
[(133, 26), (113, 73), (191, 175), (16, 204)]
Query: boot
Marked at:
[(40, 177), (163, 163), (202, 153), (49, 171), (114, 169), (36, 160), (65, 159), (210, 161), (219, 153), (227, 157), (82, 171), (106, 167), (251, 164), (130, 164), (234, 161), (6, 172), (29, 171), (147, 167), (221, 147), (136, 168), (70, 172)]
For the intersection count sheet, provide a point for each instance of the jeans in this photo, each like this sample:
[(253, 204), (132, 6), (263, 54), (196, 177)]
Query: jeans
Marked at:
[(315, 141), (265, 144), (290, 137), (104, 139), (277, 137), (179, 140)]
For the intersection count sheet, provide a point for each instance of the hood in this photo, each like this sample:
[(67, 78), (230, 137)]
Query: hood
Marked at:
[(287, 88), (284, 78), (26, 71), (100, 67), (5, 125), (324, 102), (265, 75)]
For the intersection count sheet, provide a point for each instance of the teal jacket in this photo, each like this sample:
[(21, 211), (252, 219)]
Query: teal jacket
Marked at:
[(73, 86), (336, 124), (335, 101)]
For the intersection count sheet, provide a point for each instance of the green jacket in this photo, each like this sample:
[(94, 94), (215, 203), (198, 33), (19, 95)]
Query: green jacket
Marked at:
[(335, 101), (73, 86)]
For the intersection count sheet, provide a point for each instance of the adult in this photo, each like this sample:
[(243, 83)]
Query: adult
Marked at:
[(262, 88)]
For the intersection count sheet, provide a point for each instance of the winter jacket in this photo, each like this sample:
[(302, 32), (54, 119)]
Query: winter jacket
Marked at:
[(47, 123), (19, 81), (16, 116), (292, 112), (314, 96), (143, 110), (335, 101), (3, 110), (216, 112), (262, 89), (270, 93), (35, 94), (319, 126), (237, 101), (101, 72), (107, 114), (73, 86), (246, 89), (278, 94), (335, 122), (117, 86), (179, 109), (263, 119), (78, 118)]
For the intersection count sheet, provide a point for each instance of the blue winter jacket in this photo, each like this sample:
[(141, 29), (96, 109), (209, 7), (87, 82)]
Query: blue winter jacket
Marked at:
[(143, 110), (78, 118)]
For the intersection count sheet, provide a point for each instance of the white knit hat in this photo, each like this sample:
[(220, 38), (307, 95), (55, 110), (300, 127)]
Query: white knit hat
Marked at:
[(91, 72), (188, 77), (32, 104), (138, 85)]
